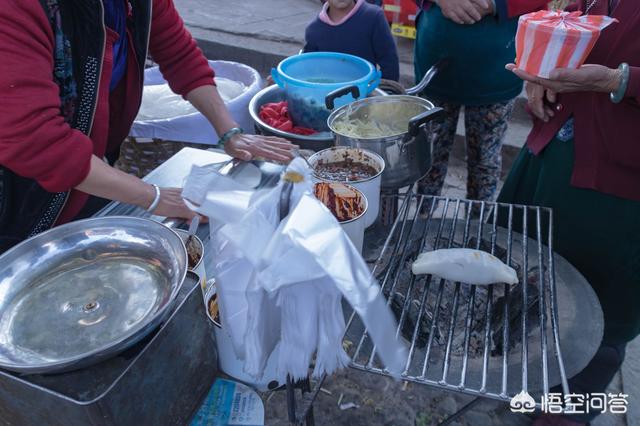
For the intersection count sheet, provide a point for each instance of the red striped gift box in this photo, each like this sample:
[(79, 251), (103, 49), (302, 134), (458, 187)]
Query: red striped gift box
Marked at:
[(547, 40)]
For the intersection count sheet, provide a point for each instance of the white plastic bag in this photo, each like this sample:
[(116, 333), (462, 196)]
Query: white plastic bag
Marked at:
[(282, 282), (176, 120)]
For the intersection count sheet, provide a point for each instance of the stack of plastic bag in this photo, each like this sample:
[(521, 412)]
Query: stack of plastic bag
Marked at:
[(281, 280)]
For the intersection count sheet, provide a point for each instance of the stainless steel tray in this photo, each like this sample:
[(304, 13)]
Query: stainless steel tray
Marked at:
[(84, 291), (159, 381)]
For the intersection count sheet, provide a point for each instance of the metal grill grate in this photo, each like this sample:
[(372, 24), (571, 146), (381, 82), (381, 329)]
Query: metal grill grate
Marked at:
[(492, 341)]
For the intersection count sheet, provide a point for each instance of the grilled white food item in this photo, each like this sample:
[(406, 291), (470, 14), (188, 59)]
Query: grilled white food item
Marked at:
[(464, 265)]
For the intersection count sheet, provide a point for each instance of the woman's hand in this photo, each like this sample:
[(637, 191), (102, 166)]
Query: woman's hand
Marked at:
[(536, 95), (465, 11), (172, 205), (246, 147), (588, 78), (107, 182)]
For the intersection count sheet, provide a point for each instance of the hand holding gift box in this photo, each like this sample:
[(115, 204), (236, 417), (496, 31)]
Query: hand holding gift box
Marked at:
[(547, 40)]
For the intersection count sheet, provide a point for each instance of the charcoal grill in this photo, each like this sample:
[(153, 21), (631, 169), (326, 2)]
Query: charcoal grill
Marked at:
[(442, 344), (494, 341)]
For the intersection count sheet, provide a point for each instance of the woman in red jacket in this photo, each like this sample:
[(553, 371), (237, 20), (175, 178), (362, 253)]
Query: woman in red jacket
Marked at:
[(71, 79), (583, 160)]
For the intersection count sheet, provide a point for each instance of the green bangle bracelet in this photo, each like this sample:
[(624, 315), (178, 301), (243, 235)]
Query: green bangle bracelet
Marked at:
[(229, 134), (618, 95)]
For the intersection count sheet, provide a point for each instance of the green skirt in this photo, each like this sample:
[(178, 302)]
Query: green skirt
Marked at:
[(597, 233)]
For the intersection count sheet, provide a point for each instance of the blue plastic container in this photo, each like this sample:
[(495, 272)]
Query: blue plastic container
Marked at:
[(309, 77)]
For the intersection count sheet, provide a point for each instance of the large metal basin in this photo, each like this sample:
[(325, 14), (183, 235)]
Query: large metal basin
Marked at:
[(84, 291), (274, 93)]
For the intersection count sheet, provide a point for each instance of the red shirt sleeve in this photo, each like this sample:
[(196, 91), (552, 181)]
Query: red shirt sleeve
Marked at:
[(181, 62), (35, 141)]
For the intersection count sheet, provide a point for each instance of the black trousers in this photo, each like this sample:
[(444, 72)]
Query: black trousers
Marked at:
[(595, 377)]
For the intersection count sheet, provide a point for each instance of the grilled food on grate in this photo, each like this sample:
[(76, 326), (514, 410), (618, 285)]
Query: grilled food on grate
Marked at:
[(464, 265)]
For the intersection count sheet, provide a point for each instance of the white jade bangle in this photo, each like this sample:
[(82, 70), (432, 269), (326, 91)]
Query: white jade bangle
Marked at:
[(618, 95), (156, 200)]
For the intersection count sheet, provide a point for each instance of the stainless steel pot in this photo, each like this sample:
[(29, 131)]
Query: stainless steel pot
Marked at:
[(370, 187), (228, 361), (354, 227), (406, 153), (195, 250)]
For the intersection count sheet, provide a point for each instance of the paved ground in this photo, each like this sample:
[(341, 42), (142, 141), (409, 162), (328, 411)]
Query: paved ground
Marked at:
[(261, 33)]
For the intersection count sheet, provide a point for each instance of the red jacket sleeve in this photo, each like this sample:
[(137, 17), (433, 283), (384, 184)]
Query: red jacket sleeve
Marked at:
[(35, 142), (181, 62)]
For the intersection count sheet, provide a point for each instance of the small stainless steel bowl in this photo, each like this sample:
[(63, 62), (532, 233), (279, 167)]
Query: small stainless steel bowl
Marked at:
[(83, 292)]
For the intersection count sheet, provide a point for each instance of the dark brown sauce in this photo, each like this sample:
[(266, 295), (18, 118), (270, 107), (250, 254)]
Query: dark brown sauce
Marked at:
[(345, 171)]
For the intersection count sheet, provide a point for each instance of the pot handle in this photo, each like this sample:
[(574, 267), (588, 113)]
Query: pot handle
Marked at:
[(419, 120), (329, 100), (428, 76)]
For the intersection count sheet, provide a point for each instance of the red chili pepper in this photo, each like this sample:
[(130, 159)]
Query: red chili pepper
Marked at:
[(276, 114)]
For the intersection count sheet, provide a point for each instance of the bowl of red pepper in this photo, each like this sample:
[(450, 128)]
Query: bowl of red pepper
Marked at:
[(270, 113)]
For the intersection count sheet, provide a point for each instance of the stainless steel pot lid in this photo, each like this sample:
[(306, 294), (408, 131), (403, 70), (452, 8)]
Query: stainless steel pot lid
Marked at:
[(85, 291), (377, 117)]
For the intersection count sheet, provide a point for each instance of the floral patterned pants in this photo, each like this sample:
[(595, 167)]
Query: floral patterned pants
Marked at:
[(485, 127)]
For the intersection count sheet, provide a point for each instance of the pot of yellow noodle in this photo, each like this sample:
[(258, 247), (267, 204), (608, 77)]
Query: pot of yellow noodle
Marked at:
[(394, 127)]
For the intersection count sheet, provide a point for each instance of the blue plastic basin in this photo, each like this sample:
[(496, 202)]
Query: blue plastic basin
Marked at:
[(309, 77)]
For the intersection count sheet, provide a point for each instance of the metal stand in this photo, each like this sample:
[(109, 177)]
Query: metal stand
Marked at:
[(304, 413), (455, 416)]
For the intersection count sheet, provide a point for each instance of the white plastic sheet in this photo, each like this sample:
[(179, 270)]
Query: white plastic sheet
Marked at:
[(166, 116), (281, 283)]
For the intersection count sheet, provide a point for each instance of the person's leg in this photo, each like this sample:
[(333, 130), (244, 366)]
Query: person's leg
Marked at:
[(600, 371), (599, 235), (485, 128), (443, 132), (594, 379)]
